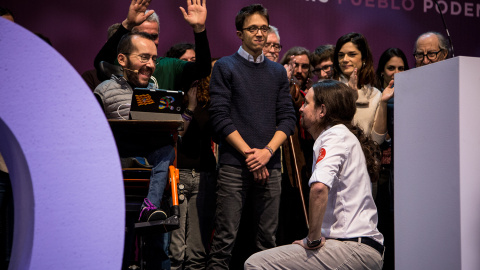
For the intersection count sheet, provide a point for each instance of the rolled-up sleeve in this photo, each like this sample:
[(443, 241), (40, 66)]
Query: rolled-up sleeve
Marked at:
[(334, 151)]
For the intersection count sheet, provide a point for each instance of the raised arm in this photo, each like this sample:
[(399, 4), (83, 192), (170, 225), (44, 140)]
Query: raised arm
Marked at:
[(379, 129), (108, 52), (196, 16), (136, 15)]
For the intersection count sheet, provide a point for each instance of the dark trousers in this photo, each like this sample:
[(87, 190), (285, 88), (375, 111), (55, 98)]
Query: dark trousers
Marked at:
[(234, 184)]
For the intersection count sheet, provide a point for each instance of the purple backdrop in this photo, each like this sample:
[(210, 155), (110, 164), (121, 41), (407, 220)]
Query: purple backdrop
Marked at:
[(77, 29)]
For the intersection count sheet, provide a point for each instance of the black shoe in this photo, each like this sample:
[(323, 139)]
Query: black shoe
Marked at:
[(151, 213)]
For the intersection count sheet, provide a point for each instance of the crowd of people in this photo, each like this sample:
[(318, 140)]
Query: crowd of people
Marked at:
[(318, 122)]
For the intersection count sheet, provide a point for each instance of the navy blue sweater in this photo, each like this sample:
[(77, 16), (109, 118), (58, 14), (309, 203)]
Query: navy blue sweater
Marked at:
[(253, 99)]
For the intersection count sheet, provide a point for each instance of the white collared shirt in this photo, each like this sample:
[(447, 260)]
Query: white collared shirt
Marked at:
[(340, 165), (249, 57)]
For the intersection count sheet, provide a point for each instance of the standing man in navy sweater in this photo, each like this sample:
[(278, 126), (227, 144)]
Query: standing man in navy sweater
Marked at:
[(252, 114)]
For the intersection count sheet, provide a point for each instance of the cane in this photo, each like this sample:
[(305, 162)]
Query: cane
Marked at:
[(299, 181)]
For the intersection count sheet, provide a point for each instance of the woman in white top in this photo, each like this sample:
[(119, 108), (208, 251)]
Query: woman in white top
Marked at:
[(353, 65), (342, 215)]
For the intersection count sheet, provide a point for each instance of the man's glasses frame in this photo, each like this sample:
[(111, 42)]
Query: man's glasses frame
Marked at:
[(144, 58), (254, 29), (432, 56), (276, 47), (326, 68)]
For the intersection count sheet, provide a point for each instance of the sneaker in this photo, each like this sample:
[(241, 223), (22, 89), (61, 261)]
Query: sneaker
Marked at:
[(151, 213)]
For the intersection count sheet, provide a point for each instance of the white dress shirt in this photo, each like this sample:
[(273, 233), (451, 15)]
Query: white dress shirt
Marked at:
[(249, 57), (340, 165)]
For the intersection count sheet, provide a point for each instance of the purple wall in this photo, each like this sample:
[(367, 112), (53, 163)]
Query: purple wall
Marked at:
[(78, 29)]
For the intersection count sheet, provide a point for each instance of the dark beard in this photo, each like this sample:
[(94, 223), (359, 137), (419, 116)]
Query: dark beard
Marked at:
[(132, 77)]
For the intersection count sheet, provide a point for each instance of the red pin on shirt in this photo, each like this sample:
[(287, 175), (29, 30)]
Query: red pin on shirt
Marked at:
[(321, 155)]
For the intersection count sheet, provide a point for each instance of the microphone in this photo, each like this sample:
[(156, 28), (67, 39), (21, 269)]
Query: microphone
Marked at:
[(132, 70), (446, 29)]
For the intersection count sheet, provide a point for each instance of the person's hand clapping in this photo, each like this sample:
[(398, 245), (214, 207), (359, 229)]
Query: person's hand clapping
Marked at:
[(353, 81), (388, 92)]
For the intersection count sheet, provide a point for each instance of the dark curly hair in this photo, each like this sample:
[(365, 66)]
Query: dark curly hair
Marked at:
[(339, 99), (203, 88)]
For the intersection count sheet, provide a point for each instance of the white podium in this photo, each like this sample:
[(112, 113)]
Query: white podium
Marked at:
[(437, 166)]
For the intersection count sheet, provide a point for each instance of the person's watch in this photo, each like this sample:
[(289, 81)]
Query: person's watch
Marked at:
[(314, 243), (188, 112)]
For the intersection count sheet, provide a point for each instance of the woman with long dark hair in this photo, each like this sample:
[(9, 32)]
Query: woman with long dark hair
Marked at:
[(342, 215), (392, 61), (353, 64)]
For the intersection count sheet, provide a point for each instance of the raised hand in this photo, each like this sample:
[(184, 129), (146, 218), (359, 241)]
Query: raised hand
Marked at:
[(290, 67), (353, 81), (388, 92), (136, 13), (196, 14)]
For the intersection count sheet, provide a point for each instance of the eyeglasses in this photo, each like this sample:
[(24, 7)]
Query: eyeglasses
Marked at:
[(276, 47), (144, 58), (326, 68), (254, 29), (432, 56)]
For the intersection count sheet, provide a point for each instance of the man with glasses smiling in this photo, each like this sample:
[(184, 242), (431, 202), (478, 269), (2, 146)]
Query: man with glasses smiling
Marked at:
[(170, 73), (252, 115), (137, 54), (430, 47), (166, 73)]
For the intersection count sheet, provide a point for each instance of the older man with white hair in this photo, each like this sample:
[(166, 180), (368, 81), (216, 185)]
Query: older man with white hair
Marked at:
[(430, 47), (272, 47)]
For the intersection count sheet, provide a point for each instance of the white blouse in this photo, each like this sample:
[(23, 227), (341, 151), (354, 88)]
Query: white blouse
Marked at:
[(367, 107)]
